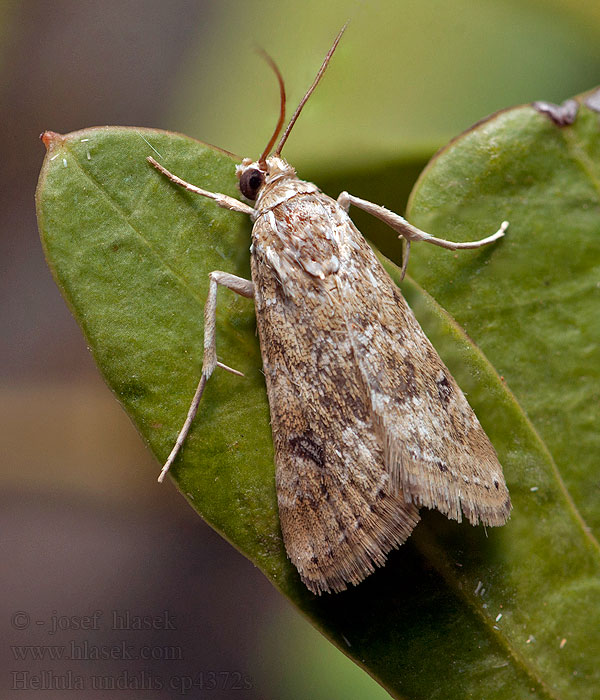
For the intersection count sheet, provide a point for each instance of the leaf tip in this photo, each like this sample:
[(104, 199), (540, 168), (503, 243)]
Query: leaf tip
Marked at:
[(51, 138)]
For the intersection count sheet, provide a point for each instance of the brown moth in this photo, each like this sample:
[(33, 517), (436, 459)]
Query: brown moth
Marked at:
[(368, 423)]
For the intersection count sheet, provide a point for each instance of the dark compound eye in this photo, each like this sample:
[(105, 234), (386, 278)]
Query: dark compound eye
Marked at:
[(250, 182)]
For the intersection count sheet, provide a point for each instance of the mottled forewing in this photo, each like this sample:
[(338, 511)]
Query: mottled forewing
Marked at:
[(435, 449), (339, 517)]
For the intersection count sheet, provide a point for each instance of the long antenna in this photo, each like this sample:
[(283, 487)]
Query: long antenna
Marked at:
[(262, 160), (310, 91)]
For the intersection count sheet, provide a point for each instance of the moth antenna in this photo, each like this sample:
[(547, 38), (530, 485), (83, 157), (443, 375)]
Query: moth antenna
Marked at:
[(310, 91), (263, 159)]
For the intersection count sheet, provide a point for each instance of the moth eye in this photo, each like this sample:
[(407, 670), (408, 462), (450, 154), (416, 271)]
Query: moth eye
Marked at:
[(250, 182)]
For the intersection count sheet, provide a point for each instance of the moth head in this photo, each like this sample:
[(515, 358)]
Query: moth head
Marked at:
[(254, 175)]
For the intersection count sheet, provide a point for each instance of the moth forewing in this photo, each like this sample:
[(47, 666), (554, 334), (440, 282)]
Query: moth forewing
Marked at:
[(435, 449)]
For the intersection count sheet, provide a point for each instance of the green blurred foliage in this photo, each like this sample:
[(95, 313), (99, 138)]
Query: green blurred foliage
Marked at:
[(407, 77)]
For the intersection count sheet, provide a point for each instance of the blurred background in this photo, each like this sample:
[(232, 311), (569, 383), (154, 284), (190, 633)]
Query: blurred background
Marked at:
[(84, 525)]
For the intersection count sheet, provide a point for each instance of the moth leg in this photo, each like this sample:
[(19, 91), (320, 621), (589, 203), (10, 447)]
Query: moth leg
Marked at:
[(408, 231), (246, 289), (222, 200)]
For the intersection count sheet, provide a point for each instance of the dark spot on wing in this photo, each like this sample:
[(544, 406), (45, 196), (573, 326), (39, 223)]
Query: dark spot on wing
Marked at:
[(442, 467), (307, 447), (444, 389)]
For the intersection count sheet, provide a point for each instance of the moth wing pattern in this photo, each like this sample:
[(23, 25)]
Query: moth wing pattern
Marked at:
[(339, 517), (436, 451)]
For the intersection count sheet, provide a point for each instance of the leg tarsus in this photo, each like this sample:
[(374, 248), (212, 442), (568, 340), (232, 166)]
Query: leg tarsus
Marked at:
[(183, 433)]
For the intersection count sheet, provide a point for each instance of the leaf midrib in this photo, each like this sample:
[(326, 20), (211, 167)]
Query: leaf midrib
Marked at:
[(126, 219)]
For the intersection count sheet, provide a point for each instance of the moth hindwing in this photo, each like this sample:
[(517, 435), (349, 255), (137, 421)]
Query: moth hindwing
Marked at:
[(368, 423)]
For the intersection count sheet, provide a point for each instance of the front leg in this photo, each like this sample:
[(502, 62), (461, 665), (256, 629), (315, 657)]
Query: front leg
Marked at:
[(410, 232), (209, 362), (223, 200)]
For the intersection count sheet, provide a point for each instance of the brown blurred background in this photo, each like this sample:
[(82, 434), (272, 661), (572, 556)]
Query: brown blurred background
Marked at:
[(85, 527)]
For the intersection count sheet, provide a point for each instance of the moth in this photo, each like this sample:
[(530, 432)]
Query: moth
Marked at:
[(368, 423)]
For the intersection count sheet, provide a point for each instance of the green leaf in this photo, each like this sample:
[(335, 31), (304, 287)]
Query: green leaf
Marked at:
[(132, 253)]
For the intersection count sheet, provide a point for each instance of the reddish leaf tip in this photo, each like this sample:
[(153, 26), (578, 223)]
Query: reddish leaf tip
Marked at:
[(49, 138)]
